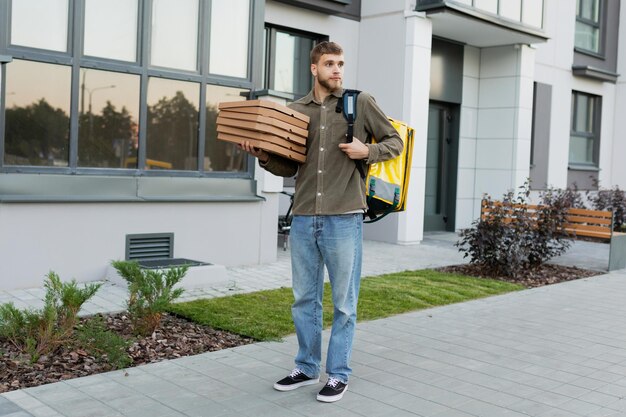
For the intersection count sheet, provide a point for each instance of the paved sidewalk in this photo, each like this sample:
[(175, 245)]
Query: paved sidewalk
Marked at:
[(554, 351)]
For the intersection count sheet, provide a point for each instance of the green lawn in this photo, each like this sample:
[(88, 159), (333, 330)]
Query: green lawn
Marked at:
[(266, 315)]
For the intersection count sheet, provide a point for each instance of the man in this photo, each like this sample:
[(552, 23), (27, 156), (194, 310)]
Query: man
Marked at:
[(326, 230)]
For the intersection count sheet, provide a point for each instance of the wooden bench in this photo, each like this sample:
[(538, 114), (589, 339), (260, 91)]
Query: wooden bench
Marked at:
[(596, 224)]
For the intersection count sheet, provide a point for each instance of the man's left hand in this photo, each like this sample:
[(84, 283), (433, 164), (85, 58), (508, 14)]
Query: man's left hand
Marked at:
[(356, 149)]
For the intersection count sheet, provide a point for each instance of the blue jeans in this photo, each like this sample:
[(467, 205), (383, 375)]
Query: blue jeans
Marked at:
[(335, 242)]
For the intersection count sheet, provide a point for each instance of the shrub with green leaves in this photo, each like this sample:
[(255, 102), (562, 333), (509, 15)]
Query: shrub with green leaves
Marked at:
[(38, 332), (94, 337), (151, 291), (513, 238)]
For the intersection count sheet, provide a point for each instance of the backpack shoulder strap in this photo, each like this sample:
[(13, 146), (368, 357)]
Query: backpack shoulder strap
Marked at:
[(347, 106)]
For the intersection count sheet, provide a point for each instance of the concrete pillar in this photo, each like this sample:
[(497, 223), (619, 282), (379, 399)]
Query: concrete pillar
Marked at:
[(504, 119), (404, 69)]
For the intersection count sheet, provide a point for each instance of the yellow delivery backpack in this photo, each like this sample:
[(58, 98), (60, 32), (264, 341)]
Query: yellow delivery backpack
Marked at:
[(387, 182)]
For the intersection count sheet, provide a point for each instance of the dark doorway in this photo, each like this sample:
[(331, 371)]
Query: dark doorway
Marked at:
[(441, 167)]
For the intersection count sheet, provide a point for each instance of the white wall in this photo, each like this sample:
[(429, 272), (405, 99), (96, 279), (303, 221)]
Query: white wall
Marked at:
[(554, 61), (78, 240), (618, 171)]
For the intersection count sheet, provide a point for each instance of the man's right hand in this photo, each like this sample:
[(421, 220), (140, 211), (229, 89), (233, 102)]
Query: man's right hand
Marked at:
[(256, 152)]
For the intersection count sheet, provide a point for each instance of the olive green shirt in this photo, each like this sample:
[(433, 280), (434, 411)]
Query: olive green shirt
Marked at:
[(329, 183)]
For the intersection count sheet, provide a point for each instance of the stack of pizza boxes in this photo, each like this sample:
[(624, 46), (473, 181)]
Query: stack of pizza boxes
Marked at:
[(266, 125)]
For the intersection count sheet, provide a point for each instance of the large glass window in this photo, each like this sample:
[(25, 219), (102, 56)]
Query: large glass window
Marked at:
[(588, 30), (220, 155), (172, 124), (37, 115), (585, 134), (132, 93), (108, 119), (229, 54), (288, 66), (40, 24), (111, 29), (175, 34)]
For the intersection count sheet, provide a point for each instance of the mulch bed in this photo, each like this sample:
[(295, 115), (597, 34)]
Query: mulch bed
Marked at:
[(546, 274), (175, 337)]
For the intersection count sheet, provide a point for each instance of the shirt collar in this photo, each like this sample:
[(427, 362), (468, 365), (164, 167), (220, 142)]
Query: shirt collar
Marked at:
[(310, 98)]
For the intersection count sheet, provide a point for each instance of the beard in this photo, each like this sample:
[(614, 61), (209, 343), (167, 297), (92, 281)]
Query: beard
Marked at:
[(330, 85)]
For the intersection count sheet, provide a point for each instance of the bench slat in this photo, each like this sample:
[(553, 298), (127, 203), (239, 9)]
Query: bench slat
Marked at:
[(593, 220), (589, 233), (581, 222), (594, 213)]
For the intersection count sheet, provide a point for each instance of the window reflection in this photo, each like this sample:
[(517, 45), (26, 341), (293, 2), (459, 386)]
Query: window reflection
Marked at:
[(229, 37), (292, 56), (172, 131), (40, 24), (175, 34), (220, 155), (111, 29), (37, 114), (107, 124)]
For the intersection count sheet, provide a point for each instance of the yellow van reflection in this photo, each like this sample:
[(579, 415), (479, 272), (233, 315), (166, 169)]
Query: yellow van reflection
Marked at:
[(150, 163)]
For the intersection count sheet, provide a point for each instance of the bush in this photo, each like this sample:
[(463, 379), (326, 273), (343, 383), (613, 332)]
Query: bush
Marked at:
[(513, 238), (95, 338), (612, 199), (150, 293), (38, 332)]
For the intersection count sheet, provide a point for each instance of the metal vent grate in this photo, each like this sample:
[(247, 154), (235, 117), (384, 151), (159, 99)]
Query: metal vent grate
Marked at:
[(149, 246)]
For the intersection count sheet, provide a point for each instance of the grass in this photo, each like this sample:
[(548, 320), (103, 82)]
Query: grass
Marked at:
[(266, 315)]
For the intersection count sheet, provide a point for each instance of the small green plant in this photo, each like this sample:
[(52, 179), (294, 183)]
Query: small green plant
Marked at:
[(37, 332), (95, 338), (151, 291)]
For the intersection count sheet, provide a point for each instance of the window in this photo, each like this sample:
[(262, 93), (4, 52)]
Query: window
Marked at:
[(117, 86), (588, 31), (585, 134), (287, 62)]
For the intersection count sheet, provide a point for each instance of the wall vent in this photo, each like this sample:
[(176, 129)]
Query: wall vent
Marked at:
[(149, 246)]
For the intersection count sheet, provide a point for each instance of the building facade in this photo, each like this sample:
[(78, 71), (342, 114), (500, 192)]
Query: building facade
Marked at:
[(107, 116)]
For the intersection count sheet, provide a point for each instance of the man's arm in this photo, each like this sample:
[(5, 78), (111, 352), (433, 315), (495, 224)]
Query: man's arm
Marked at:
[(275, 164), (388, 143)]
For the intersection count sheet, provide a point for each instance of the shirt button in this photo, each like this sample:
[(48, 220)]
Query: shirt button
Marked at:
[(319, 194), (322, 128), (323, 107), (321, 149), (319, 172)]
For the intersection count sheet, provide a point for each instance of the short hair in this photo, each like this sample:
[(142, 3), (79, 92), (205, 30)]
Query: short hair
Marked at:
[(325, 47)]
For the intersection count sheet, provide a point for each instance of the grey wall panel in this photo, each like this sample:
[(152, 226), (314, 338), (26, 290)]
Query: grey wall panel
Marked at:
[(350, 9), (446, 71), (542, 102)]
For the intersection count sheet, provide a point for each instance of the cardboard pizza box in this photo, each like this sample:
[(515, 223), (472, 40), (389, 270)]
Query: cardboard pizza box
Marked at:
[(275, 114), (265, 104), (267, 146), (267, 120), (260, 127), (267, 137)]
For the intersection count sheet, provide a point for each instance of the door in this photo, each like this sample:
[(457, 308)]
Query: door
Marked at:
[(441, 167)]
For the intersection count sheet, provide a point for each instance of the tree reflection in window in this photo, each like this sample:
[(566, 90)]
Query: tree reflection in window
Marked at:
[(172, 141), (37, 134), (37, 124)]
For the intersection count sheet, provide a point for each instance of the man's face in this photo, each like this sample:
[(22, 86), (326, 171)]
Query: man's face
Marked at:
[(328, 71)]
